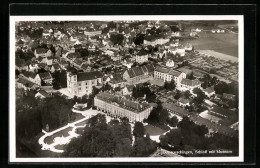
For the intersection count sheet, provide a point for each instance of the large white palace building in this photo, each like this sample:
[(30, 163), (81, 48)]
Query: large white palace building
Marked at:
[(119, 106)]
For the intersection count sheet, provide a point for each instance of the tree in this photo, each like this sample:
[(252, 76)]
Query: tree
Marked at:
[(201, 130), (177, 95), (174, 28), (187, 94), (117, 39), (173, 121), (138, 129), (221, 88), (158, 116), (106, 87), (111, 25), (123, 148), (199, 99), (117, 89), (139, 39), (170, 85), (191, 76), (174, 137), (143, 147), (59, 79)]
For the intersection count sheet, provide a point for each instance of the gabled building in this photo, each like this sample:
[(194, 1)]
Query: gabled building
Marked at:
[(128, 90), (227, 96), (190, 84), (183, 102), (135, 74), (45, 78), (26, 84), (141, 57), (209, 91), (79, 84), (167, 74), (41, 94), (41, 52), (55, 67), (117, 80)]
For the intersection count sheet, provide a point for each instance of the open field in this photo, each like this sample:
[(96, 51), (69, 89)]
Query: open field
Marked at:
[(226, 43)]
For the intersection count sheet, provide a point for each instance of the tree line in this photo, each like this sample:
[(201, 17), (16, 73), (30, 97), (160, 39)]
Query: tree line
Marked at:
[(112, 139)]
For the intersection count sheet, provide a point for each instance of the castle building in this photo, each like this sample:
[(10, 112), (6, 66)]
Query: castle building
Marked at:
[(79, 84), (119, 106)]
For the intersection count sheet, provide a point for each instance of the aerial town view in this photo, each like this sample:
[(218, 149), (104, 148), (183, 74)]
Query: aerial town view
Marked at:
[(128, 88)]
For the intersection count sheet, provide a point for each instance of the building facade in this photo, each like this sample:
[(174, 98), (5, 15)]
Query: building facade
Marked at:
[(159, 41), (141, 58), (79, 84), (190, 84), (167, 74), (118, 106)]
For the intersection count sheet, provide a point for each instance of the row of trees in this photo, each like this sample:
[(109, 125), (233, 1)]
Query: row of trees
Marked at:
[(32, 115), (191, 136), (113, 139), (59, 79), (141, 90), (170, 85), (160, 117)]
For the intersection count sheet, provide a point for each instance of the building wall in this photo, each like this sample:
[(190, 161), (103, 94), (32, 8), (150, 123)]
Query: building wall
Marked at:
[(115, 110), (78, 88), (167, 77), (141, 59)]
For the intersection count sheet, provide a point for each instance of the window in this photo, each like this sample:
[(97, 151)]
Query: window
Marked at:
[(79, 84)]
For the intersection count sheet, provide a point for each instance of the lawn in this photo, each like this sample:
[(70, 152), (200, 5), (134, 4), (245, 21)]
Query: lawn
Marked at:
[(64, 133), (153, 131)]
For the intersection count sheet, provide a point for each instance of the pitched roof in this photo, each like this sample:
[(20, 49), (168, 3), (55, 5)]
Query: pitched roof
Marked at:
[(45, 76), (175, 73), (190, 82), (117, 78), (142, 52), (41, 50), (221, 110), (149, 67), (58, 52), (73, 55), (185, 70), (44, 93), (29, 74), (122, 102), (25, 82), (183, 101), (83, 76), (56, 66), (209, 90), (78, 61), (228, 96), (174, 108), (162, 69), (138, 71)]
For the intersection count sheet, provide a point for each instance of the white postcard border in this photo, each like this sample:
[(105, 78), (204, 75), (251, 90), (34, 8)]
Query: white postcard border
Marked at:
[(12, 136)]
